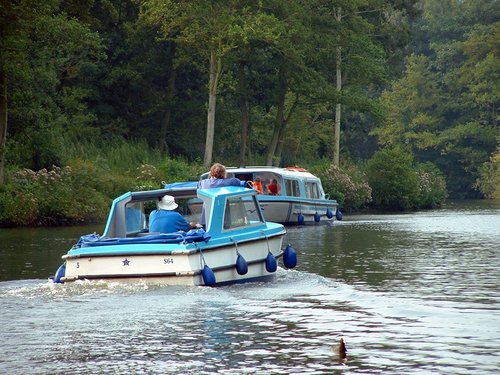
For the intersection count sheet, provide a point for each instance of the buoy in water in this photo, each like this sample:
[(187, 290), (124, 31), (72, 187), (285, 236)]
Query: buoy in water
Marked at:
[(300, 219), (241, 265), (329, 213), (60, 273), (208, 276), (317, 217), (289, 257), (338, 215), (271, 264)]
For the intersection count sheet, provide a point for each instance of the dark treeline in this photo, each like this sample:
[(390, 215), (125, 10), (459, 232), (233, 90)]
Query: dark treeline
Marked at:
[(321, 83)]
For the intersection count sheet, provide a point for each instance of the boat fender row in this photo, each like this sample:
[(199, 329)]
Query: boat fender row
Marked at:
[(289, 261), (317, 216), (60, 273)]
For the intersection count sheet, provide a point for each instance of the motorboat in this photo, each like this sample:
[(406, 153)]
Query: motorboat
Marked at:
[(296, 197), (236, 245)]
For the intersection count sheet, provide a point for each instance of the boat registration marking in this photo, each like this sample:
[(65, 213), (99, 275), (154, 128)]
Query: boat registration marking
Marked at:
[(168, 260)]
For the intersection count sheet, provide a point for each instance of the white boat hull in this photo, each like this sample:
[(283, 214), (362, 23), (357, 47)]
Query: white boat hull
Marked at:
[(167, 264)]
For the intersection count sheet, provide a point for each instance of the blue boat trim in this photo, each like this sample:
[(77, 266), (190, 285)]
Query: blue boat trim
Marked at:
[(99, 251)]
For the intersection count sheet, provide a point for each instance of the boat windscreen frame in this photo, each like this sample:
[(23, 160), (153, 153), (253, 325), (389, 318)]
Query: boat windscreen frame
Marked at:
[(246, 207)]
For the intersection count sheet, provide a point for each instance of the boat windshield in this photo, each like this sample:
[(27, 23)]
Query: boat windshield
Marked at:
[(241, 213), (134, 217)]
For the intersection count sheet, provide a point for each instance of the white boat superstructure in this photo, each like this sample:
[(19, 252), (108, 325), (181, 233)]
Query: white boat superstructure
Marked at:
[(299, 198)]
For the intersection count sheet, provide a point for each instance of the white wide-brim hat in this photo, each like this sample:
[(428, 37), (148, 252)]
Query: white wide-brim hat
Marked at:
[(167, 202)]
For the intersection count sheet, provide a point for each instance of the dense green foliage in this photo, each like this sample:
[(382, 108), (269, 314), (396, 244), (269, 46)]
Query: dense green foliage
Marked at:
[(82, 191), (444, 107), (398, 184), (489, 179), (121, 93)]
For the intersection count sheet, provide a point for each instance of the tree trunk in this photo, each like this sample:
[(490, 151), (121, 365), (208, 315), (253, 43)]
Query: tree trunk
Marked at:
[(280, 116), (215, 70), (281, 135), (165, 123), (3, 122), (244, 115), (336, 146), (273, 146)]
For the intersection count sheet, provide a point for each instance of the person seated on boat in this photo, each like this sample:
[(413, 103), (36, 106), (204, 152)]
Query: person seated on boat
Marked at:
[(165, 219), (273, 188), (257, 185), (217, 178)]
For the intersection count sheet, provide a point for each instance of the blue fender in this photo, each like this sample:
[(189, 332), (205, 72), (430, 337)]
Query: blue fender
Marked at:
[(300, 219), (289, 257), (241, 265), (338, 215), (271, 264), (208, 276), (60, 273)]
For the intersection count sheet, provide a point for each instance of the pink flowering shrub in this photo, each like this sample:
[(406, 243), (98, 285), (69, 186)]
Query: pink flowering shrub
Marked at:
[(52, 197), (147, 178), (347, 185), (431, 186)]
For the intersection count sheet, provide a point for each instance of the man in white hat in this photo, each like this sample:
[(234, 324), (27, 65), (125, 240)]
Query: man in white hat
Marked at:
[(165, 219)]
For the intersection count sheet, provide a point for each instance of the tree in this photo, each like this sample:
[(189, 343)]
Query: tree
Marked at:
[(212, 29), (46, 62), (393, 180), (16, 21), (444, 107), (354, 42)]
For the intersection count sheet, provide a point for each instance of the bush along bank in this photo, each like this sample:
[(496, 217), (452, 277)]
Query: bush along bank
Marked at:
[(81, 193)]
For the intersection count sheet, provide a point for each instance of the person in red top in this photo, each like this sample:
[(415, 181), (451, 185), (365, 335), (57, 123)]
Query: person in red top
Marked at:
[(273, 187), (257, 185)]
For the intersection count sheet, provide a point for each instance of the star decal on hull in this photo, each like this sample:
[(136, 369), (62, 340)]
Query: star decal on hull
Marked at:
[(126, 262)]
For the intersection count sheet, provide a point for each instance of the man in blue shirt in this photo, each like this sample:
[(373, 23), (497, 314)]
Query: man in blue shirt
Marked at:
[(217, 178), (165, 219)]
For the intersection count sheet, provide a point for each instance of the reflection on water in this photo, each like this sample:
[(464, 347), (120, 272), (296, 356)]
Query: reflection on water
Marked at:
[(410, 293)]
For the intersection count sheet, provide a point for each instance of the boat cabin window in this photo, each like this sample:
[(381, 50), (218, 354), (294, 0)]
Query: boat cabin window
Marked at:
[(240, 213), (134, 217), (292, 187), (312, 190)]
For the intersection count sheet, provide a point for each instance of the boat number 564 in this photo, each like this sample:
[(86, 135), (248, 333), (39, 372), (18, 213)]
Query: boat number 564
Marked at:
[(168, 260)]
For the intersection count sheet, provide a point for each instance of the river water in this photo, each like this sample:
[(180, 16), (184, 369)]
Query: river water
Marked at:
[(412, 293)]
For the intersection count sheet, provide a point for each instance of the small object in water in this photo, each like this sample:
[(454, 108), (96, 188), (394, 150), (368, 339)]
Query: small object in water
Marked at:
[(340, 349)]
